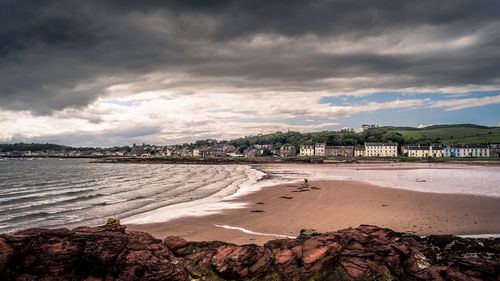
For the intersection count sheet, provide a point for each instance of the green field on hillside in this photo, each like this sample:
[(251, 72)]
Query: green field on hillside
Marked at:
[(474, 140), (466, 134)]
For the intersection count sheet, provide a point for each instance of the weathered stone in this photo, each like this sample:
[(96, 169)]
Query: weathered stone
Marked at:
[(175, 243), (88, 253), (363, 253)]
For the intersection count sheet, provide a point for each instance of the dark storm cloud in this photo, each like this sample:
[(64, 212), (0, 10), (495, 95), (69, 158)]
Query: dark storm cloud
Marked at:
[(324, 17), (59, 54)]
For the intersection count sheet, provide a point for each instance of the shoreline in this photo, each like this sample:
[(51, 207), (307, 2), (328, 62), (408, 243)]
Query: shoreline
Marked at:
[(328, 205), (292, 160)]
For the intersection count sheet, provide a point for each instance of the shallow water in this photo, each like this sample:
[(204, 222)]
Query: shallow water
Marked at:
[(438, 178), (70, 192)]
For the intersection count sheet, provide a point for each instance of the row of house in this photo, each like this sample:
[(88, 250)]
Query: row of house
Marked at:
[(219, 150), (321, 149), (268, 149), (370, 149), (389, 149), (422, 151), (453, 150)]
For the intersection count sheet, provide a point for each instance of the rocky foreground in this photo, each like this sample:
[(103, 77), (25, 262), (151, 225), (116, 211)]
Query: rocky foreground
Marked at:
[(363, 253)]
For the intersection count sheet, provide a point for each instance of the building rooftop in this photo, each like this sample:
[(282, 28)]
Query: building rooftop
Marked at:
[(381, 144)]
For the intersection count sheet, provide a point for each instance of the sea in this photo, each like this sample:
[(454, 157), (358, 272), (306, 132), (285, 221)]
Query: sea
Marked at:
[(51, 192)]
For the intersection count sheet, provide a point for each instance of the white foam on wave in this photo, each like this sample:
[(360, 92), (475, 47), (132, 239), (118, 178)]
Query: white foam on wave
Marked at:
[(193, 208), (213, 204), (253, 232)]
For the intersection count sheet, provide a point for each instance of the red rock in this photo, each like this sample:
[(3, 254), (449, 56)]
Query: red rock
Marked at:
[(174, 243), (314, 254), (238, 261), (112, 253), (284, 257), (354, 270)]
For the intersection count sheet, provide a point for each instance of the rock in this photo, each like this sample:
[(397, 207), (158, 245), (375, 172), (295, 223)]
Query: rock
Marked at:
[(6, 254), (175, 243), (88, 253), (307, 233), (363, 253)]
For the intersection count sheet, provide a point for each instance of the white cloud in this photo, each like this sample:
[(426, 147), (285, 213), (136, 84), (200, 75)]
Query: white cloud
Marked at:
[(457, 104), (166, 117), (421, 126)]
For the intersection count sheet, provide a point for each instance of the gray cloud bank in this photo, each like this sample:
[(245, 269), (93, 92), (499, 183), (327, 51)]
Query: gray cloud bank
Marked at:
[(60, 54)]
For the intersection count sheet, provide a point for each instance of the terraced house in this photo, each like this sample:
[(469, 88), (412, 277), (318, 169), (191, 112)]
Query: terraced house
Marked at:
[(422, 151), (287, 151), (339, 151), (381, 149), (306, 150), (471, 150), (359, 151), (320, 149), (494, 150)]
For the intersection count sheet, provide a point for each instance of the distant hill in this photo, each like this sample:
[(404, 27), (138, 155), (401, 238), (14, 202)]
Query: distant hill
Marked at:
[(21, 146), (462, 133), (31, 147), (458, 133)]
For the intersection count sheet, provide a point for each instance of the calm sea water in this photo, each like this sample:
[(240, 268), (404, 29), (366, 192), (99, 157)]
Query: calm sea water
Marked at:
[(70, 192)]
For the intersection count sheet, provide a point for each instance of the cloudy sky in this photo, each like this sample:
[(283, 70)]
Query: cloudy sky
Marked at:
[(105, 73)]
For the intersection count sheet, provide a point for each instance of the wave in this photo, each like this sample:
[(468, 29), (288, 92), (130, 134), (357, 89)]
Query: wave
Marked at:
[(212, 202), (53, 193)]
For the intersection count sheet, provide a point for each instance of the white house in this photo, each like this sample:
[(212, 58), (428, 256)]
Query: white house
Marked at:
[(306, 150), (422, 151), (381, 149), (359, 151), (320, 149)]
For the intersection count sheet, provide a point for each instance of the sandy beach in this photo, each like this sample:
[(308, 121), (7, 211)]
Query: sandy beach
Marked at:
[(328, 205)]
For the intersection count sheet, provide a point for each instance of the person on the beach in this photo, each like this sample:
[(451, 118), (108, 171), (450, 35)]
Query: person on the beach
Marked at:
[(306, 182)]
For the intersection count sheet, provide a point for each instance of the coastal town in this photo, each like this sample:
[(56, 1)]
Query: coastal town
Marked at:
[(370, 141), (370, 149)]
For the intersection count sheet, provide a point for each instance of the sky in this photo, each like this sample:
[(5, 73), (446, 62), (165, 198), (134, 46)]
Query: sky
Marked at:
[(117, 72)]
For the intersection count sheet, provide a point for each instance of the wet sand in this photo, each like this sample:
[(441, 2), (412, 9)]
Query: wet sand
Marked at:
[(332, 205)]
